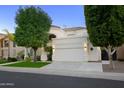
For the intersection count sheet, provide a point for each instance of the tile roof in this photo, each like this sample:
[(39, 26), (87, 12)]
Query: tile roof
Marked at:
[(55, 26), (74, 28)]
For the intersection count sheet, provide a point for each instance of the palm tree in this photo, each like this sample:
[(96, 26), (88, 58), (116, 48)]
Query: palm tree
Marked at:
[(10, 37)]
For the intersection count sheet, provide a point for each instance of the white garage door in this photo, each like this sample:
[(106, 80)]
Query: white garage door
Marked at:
[(70, 49)]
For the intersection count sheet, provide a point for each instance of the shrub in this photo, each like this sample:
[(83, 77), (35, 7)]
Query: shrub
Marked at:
[(28, 59), (122, 60), (49, 50), (20, 55), (3, 60), (38, 58), (10, 59)]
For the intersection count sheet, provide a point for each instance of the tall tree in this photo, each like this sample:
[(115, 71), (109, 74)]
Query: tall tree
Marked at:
[(32, 28), (105, 25), (10, 37)]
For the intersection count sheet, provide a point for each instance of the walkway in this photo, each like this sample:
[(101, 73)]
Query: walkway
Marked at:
[(9, 63)]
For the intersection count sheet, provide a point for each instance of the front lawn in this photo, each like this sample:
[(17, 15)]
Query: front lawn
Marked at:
[(28, 64), (3, 61)]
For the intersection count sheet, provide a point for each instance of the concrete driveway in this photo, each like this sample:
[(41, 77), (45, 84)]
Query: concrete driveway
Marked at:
[(75, 66)]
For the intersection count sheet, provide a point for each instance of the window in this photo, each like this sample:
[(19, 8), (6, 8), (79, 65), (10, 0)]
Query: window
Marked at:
[(6, 43), (14, 44)]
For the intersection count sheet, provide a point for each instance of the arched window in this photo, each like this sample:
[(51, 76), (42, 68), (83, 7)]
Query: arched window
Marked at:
[(52, 36)]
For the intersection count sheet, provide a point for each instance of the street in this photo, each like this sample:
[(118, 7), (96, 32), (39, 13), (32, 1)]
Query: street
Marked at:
[(26, 80)]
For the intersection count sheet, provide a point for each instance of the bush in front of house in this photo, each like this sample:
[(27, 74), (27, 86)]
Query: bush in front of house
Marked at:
[(20, 55), (10, 59), (121, 60), (28, 59), (49, 51), (3, 60), (38, 58)]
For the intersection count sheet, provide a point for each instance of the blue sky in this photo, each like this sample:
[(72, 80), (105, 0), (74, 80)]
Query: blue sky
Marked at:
[(61, 15)]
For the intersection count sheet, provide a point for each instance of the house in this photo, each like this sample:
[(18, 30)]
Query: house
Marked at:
[(75, 46), (14, 49), (69, 44)]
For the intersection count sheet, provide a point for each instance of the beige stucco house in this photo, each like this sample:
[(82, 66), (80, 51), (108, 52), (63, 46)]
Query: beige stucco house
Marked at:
[(14, 49), (69, 44)]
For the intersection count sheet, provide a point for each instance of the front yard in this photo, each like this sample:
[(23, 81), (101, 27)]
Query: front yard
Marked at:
[(28, 64)]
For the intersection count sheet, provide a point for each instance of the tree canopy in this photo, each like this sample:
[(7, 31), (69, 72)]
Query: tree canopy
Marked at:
[(32, 27), (105, 25)]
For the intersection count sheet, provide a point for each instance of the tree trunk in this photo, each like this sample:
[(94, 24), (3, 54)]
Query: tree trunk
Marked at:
[(35, 57), (112, 65), (26, 53)]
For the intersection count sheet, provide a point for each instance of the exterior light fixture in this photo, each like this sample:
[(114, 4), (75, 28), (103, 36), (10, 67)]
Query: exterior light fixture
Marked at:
[(53, 48), (85, 46), (98, 48)]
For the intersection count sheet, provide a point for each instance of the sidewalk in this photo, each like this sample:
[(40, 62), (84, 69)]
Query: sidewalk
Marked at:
[(8, 63), (102, 75)]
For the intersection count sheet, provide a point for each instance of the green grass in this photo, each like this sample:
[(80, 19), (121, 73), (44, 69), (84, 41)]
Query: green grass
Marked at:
[(28, 64), (3, 61)]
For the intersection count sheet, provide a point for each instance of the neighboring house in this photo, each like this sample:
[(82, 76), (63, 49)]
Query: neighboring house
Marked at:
[(14, 49), (69, 44)]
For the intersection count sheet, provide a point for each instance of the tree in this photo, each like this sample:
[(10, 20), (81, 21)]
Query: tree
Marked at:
[(32, 28), (10, 37), (105, 25)]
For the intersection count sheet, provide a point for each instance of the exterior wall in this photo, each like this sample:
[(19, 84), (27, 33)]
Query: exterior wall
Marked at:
[(13, 50), (57, 31), (94, 53), (76, 33), (1, 52), (70, 49), (120, 53), (39, 51), (1, 44)]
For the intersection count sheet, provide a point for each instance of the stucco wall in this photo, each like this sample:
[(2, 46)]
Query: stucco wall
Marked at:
[(75, 33), (57, 31), (120, 53), (13, 50), (94, 53)]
